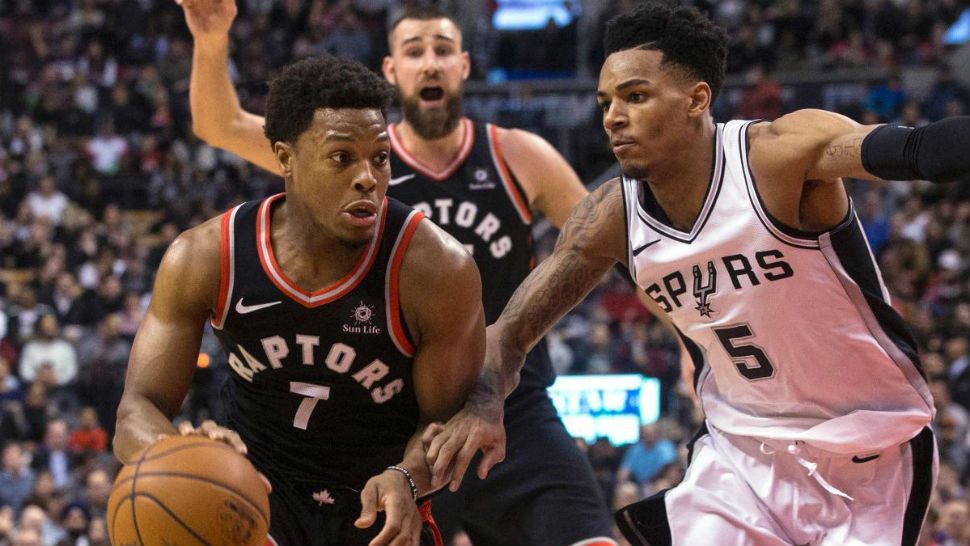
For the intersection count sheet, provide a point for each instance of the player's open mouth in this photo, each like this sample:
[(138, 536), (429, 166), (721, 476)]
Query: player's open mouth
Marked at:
[(361, 213), (432, 94)]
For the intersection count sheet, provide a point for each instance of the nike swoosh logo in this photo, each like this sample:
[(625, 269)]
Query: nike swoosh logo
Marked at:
[(857, 459), (398, 180), (637, 251), (243, 309)]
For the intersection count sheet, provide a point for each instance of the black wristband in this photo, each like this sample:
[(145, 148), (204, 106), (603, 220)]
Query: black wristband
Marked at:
[(937, 152), (407, 475)]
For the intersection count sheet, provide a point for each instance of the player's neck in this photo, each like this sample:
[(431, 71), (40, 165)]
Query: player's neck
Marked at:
[(680, 183), (436, 154), (298, 242)]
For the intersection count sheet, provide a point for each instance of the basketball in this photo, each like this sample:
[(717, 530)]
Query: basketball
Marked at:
[(188, 490)]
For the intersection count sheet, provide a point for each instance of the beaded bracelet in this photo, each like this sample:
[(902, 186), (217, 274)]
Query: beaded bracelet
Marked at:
[(414, 487)]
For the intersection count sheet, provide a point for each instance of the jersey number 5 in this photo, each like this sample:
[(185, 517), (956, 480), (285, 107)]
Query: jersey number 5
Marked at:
[(314, 394), (750, 359)]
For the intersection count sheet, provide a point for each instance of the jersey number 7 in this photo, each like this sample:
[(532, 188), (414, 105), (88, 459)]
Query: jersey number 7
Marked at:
[(314, 394)]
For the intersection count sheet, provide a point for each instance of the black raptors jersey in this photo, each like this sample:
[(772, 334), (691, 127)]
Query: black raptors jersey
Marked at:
[(478, 201), (321, 385)]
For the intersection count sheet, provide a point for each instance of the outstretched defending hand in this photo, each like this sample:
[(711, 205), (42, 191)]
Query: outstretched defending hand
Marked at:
[(390, 493), (452, 446), (208, 18)]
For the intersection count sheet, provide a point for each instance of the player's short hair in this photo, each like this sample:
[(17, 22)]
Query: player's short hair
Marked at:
[(421, 13), (688, 40), (305, 86)]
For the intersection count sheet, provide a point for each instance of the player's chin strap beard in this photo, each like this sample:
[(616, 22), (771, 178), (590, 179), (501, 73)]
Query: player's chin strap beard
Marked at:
[(794, 449)]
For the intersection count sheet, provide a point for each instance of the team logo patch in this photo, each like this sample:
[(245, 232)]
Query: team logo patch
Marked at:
[(362, 315), (481, 181), (323, 497), (704, 290)]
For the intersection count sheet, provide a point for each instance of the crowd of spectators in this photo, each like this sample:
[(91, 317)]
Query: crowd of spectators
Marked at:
[(99, 172)]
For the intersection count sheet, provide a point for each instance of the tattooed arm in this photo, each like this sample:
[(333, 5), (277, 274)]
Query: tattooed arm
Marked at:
[(592, 240)]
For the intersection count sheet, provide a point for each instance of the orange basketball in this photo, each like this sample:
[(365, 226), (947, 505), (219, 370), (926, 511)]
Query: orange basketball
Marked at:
[(188, 490)]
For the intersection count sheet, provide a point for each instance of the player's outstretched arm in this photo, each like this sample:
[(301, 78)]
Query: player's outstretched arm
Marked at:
[(551, 184), (591, 242), (827, 146), (217, 116), (166, 347), (441, 298)]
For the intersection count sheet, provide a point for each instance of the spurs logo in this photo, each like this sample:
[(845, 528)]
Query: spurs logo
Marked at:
[(703, 290)]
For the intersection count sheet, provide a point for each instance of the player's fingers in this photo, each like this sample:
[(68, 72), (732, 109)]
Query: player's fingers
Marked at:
[(445, 458), (461, 464), (491, 458), (186, 428), (368, 503), (232, 437), (269, 486), (433, 430), (394, 514)]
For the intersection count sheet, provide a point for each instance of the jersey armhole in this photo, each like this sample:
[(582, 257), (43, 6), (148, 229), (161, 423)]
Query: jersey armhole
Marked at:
[(516, 193), (226, 268), (396, 325)]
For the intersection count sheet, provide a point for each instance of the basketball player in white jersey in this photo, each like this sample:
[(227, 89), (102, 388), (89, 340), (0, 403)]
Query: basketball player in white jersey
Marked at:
[(817, 411)]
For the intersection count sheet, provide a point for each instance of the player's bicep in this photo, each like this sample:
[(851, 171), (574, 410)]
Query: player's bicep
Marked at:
[(162, 362), (824, 145), (444, 300), (553, 187), (166, 347)]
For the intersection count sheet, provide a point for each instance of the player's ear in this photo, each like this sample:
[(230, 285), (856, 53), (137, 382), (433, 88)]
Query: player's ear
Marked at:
[(466, 65), (387, 67), (284, 156), (699, 97)]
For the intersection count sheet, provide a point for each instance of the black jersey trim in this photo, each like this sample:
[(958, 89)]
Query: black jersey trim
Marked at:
[(923, 449), (227, 267), (781, 231), (328, 293), (467, 143), (397, 326), (630, 256), (848, 254), (710, 197), (515, 191)]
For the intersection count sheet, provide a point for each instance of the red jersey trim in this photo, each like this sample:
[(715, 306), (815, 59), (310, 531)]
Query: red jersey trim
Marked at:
[(467, 142), (327, 294), (519, 201), (391, 288), (227, 269)]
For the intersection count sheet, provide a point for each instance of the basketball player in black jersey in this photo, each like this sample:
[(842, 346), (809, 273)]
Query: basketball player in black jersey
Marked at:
[(350, 322), (482, 184)]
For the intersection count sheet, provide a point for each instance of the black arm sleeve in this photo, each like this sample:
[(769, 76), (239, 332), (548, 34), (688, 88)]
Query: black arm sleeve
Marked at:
[(938, 152)]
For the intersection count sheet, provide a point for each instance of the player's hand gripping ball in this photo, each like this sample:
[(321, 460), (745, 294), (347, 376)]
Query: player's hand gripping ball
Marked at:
[(188, 490)]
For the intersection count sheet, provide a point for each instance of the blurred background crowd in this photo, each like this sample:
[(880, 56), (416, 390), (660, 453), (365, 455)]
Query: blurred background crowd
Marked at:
[(99, 172)]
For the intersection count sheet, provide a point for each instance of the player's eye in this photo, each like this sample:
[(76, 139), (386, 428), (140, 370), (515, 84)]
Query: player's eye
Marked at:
[(382, 158), (604, 106), (413, 52), (442, 51), (636, 97), (341, 158)]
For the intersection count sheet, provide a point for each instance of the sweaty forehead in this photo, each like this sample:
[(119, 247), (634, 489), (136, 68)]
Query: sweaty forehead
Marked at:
[(425, 31)]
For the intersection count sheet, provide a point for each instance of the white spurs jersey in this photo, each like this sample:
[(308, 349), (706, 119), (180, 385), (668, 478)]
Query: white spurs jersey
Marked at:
[(791, 333)]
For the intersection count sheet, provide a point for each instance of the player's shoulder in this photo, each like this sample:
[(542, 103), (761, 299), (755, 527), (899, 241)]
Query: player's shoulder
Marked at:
[(515, 142), (806, 126), (196, 252), (433, 254)]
